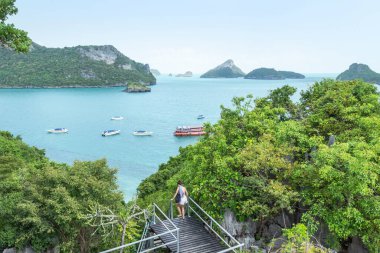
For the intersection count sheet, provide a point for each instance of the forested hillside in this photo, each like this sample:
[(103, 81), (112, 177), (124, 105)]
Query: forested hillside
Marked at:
[(81, 66), (315, 161)]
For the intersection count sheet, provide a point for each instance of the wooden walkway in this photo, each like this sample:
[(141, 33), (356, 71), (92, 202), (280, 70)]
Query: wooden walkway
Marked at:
[(193, 236)]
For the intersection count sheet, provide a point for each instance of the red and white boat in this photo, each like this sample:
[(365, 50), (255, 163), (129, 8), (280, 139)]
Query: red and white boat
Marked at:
[(189, 131)]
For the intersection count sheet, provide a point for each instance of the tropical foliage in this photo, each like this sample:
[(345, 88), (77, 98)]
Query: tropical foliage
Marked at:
[(45, 204), (10, 36), (318, 158), (298, 240)]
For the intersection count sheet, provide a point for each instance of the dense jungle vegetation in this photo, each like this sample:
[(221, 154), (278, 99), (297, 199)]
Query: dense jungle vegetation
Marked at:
[(318, 158), (44, 204)]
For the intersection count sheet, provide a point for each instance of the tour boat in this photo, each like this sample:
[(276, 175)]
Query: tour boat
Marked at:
[(142, 133), (58, 131), (117, 118), (110, 132), (189, 131), (201, 116)]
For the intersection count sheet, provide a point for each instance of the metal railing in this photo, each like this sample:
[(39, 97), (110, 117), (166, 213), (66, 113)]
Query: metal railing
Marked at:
[(154, 218), (211, 224), (141, 244)]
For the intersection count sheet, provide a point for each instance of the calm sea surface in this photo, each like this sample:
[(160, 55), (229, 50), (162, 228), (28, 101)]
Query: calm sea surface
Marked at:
[(87, 112)]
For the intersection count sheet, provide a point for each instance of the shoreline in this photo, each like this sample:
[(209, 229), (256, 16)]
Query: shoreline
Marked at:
[(67, 86)]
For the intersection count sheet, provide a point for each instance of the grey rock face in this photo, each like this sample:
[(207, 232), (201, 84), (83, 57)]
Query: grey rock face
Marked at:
[(242, 231), (247, 231), (331, 140), (13, 250), (10, 250), (107, 54), (356, 246), (225, 70)]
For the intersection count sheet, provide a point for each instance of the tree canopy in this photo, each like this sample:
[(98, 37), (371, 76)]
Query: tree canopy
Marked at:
[(44, 204), (317, 158), (10, 36)]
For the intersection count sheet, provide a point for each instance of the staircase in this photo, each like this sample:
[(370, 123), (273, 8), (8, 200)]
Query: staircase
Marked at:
[(197, 233)]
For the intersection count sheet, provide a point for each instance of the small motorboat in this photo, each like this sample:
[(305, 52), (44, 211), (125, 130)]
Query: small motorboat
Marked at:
[(110, 132), (201, 116), (117, 118), (58, 131), (142, 133)]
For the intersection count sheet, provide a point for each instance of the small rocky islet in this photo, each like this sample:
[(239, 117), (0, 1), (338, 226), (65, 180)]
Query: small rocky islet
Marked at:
[(136, 88), (228, 69), (186, 74)]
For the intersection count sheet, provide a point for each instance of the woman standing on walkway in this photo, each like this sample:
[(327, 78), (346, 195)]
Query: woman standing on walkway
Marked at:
[(180, 197)]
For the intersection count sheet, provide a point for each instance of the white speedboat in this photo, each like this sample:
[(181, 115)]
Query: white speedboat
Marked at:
[(110, 132), (117, 118), (58, 131), (142, 133)]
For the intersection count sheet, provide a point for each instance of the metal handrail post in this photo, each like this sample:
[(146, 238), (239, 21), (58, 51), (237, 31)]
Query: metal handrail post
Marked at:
[(154, 214), (178, 240), (171, 209), (216, 223), (188, 209)]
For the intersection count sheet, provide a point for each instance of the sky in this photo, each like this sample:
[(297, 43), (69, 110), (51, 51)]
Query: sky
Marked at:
[(175, 36)]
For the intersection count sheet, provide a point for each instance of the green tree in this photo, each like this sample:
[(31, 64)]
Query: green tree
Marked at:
[(341, 187), (10, 36), (47, 202), (298, 240)]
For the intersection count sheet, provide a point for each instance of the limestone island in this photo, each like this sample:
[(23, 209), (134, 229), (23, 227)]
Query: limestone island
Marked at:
[(70, 67), (186, 74), (272, 74), (136, 88), (225, 70), (155, 72), (360, 71)]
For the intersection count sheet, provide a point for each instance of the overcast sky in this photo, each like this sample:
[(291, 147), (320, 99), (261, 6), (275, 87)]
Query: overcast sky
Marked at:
[(323, 36)]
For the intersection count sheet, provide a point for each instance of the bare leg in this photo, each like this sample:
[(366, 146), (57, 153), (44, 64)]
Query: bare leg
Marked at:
[(183, 212), (179, 210)]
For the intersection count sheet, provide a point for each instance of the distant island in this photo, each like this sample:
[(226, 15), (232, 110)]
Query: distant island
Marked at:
[(186, 74), (155, 72), (80, 66), (226, 70), (360, 71), (136, 88), (272, 74)]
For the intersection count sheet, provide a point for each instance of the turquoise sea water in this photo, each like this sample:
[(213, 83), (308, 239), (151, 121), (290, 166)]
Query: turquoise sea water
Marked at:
[(87, 112)]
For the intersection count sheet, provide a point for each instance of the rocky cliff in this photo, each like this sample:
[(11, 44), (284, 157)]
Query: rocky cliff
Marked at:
[(360, 71), (225, 70)]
